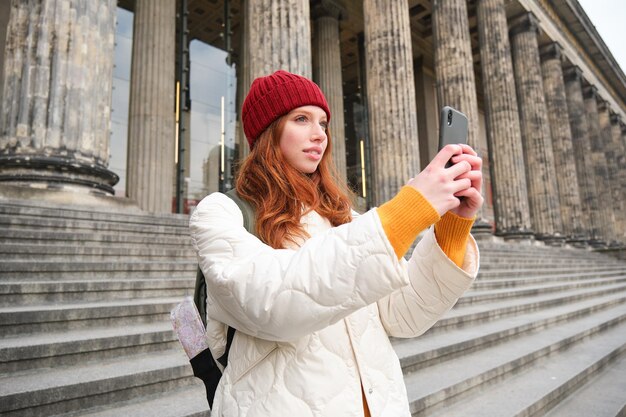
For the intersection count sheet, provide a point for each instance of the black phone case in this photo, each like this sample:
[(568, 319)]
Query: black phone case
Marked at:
[(452, 127)]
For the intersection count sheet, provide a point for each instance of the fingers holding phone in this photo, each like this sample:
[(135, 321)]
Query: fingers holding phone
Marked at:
[(471, 198), (439, 184), (453, 129), (476, 165)]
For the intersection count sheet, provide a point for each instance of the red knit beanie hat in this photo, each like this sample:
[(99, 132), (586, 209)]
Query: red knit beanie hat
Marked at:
[(276, 95)]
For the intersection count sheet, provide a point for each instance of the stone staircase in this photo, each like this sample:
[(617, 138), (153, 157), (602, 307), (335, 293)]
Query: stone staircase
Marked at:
[(85, 297)]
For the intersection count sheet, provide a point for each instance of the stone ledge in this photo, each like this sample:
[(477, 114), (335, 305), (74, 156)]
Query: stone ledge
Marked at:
[(40, 196)]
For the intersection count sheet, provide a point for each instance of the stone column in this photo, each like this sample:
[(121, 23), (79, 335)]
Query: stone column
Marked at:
[(504, 134), (151, 124), (454, 67), (598, 166), (278, 37), (327, 73), (556, 103), (5, 13), (454, 64), (540, 171), (582, 149), (390, 96), (616, 156), (622, 173), (56, 104), (243, 80), (607, 166)]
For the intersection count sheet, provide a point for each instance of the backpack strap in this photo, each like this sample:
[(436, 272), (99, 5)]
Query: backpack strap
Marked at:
[(249, 215), (249, 223), (204, 365), (229, 340)]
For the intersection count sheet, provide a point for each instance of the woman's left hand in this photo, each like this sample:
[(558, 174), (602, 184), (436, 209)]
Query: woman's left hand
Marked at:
[(472, 199)]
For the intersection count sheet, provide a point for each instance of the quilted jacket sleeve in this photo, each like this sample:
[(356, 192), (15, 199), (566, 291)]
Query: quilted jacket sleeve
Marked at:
[(436, 283), (282, 294)]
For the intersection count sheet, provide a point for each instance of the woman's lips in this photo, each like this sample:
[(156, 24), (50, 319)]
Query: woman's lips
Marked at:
[(314, 153)]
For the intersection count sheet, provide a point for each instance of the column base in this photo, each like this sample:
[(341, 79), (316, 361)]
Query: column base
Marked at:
[(517, 235), (597, 244), (57, 172), (619, 253), (578, 241), (482, 229), (551, 240), (48, 197)]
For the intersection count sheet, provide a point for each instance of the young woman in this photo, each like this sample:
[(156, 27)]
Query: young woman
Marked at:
[(316, 296)]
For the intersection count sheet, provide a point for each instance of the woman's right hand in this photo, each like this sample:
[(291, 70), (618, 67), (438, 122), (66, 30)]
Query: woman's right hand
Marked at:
[(438, 184)]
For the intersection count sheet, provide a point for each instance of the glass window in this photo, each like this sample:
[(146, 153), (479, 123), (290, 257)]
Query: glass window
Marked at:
[(212, 120), (120, 97)]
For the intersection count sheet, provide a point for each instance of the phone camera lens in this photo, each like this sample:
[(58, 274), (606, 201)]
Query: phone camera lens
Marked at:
[(449, 117)]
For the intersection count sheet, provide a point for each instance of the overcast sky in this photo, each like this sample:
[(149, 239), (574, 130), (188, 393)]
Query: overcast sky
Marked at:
[(609, 18)]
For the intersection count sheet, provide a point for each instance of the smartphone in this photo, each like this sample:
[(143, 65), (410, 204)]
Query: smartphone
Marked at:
[(452, 128)]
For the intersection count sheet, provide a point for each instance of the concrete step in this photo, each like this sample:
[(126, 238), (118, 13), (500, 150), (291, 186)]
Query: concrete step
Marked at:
[(504, 263), (543, 253), (16, 320), (62, 237), (43, 270), (470, 314), (601, 333), (91, 252), (188, 401), (539, 385), (601, 396), (120, 224), (488, 284), (56, 292), (69, 347), (528, 272), (481, 296), (48, 392), (436, 347), (16, 208)]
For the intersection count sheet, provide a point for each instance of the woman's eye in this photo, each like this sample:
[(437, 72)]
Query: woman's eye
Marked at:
[(324, 125), (300, 119)]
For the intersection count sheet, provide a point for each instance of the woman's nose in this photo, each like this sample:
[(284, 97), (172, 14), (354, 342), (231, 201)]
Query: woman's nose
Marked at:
[(319, 133)]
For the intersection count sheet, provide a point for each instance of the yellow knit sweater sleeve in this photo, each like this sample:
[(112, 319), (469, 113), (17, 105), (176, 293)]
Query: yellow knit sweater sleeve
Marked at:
[(452, 233), (404, 217), (408, 213)]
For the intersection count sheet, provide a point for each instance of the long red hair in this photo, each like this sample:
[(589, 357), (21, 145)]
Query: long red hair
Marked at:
[(279, 192)]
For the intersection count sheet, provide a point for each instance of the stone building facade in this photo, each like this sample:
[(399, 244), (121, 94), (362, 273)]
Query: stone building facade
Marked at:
[(545, 98)]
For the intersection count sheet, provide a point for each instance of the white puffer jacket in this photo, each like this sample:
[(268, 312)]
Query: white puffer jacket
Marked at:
[(313, 322)]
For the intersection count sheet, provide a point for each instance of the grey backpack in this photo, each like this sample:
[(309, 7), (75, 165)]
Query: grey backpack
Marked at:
[(204, 365)]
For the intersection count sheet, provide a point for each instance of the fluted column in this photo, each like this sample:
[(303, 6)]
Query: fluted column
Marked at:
[(598, 165), (278, 37), (615, 155), (540, 171), (5, 13), (327, 73), (390, 96), (582, 149), (556, 103), (243, 80), (56, 102), (151, 136), (454, 68), (503, 127), (456, 86), (622, 170), (601, 155)]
